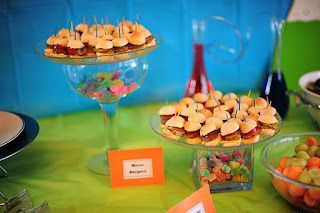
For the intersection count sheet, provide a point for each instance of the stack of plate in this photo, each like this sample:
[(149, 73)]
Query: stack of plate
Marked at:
[(16, 132)]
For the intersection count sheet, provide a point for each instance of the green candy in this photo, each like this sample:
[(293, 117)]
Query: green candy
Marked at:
[(204, 172), (235, 171), (226, 169), (106, 83)]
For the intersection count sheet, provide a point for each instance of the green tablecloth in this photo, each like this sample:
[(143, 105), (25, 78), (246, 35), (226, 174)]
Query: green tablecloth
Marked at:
[(53, 168)]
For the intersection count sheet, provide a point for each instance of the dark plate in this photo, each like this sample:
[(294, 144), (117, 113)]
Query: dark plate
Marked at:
[(29, 133)]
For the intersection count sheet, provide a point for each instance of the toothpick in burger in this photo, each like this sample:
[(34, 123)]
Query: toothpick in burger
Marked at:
[(249, 132), (269, 111), (192, 132), (217, 94), (187, 112), (60, 48), (136, 41), (210, 135), (261, 103), (81, 28), (211, 104), (120, 45), (104, 47), (174, 127), (187, 101), (201, 98), (50, 44), (197, 117), (224, 115), (216, 121), (268, 124), (230, 133), (229, 96)]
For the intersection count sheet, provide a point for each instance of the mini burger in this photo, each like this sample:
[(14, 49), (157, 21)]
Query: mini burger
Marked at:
[(76, 49), (187, 101), (66, 33), (229, 96), (269, 111), (231, 103), (210, 135), (254, 117), (201, 98), (254, 110), (216, 94), (109, 28), (197, 117), (127, 23), (268, 124), (91, 46), (224, 115), (246, 100), (187, 112), (197, 106), (211, 104), (261, 103), (136, 41), (207, 113), (230, 132), (81, 28), (216, 121), (241, 107), (174, 127), (192, 132), (166, 112), (249, 132), (239, 114), (60, 47), (50, 44), (104, 47), (120, 44), (124, 30), (221, 108)]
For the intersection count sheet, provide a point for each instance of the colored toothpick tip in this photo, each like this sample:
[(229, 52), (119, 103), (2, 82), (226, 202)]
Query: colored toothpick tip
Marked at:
[(107, 20), (249, 93), (84, 20), (102, 22)]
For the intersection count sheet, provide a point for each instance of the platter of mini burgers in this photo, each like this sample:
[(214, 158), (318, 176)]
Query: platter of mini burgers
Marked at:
[(208, 122), (98, 43)]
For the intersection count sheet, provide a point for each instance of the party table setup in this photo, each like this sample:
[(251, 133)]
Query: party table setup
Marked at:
[(203, 141)]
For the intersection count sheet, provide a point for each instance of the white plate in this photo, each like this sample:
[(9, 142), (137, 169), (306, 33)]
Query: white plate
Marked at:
[(304, 80), (11, 125)]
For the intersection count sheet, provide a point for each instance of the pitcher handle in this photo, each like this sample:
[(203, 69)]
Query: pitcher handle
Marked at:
[(238, 55)]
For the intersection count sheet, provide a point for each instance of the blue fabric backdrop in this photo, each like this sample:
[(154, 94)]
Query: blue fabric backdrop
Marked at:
[(32, 85)]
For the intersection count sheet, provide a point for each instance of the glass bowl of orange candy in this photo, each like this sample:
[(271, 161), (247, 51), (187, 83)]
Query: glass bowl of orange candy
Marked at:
[(293, 162)]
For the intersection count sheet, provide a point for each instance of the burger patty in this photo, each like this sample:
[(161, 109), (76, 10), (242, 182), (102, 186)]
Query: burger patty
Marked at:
[(192, 134), (176, 131), (134, 47), (233, 136), (211, 136), (149, 39), (90, 49), (164, 118), (60, 49), (268, 126), (78, 52), (50, 46), (120, 49), (106, 51), (255, 131)]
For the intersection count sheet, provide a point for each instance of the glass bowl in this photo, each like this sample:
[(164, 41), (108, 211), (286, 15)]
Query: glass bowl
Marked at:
[(305, 197)]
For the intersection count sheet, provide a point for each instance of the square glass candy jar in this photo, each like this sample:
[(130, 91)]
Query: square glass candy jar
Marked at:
[(225, 170)]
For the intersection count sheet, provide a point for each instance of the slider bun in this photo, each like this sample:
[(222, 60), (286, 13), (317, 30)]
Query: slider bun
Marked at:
[(127, 23), (254, 110), (61, 41), (231, 103), (136, 27), (51, 39), (224, 115), (207, 113), (48, 51), (192, 126), (236, 120), (85, 37), (267, 119), (75, 44), (175, 121), (247, 126), (119, 42), (231, 143), (109, 28), (220, 108), (267, 131), (241, 106), (229, 96), (197, 117), (211, 103), (206, 129), (108, 37), (240, 114), (104, 44), (197, 106), (187, 101), (214, 142), (167, 110), (229, 127), (82, 27), (246, 100), (188, 112), (254, 139), (137, 38), (168, 134), (65, 32), (195, 140), (201, 97), (217, 94), (216, 121), (93, 41), (253, 117), (269, 111), (152, 43), (261, 103)]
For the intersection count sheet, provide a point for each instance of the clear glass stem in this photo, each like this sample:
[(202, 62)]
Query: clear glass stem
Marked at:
[(110, 127)]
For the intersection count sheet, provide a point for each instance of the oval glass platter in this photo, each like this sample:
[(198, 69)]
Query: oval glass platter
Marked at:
[(155, 124), (106, 59)]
